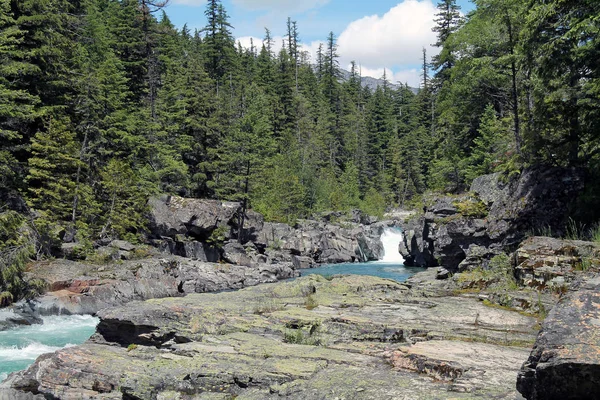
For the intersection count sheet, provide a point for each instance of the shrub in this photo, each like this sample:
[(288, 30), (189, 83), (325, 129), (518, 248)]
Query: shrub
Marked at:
[(471, 208)]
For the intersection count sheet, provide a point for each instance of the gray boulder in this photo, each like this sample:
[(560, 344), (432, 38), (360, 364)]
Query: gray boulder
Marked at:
[(172, 215)]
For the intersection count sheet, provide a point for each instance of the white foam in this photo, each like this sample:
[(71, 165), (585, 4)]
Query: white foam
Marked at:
[(29, 352), (390, 238)]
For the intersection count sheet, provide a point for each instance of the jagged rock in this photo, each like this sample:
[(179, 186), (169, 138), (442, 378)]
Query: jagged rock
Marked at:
[(565, 361), (491, 189), (172, 215), (253, 224), (235, 253), (122, 245), (181, 246), (442, 273), (17, 315), (353, 337), (548, 262), (477, 257), (539, 198), (417, 245), (70, 251), (321, 241)]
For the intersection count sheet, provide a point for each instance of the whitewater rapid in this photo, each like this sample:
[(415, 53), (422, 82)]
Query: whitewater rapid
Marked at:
[(20, 347)]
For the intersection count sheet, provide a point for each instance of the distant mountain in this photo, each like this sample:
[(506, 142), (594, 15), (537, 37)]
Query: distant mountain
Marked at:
[(373, 83)]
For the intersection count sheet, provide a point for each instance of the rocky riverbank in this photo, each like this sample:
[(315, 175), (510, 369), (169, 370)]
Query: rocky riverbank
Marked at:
[(466, 336), (351, 337), (84, 288)]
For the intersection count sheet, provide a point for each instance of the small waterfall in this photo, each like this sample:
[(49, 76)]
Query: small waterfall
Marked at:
[(390, 238)]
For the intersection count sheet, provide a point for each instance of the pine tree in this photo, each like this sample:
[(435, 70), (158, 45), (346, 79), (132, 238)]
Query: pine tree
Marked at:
[(218, 43), (562, 48), (52, 169), (447, 20), (17, 105)]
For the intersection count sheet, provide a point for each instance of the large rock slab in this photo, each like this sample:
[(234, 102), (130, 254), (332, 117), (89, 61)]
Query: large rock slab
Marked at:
[(312, 338), (565, 361), (323, 241)]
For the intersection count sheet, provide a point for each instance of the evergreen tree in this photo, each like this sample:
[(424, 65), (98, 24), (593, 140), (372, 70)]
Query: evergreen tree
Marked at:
[(17, 105), (218, 43), (447, 21), (562, 48)]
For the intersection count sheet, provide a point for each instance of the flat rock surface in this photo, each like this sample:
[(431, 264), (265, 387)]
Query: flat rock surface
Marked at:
[(351, 337)]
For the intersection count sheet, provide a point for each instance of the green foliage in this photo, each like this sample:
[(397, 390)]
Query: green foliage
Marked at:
[(374, 203), (218, 236), (575, 230), (16, 249), (489, 149), (104, 102), (472, 208), (132, 347), (307, 335), (498, 276), (125, 196), (311, 302)]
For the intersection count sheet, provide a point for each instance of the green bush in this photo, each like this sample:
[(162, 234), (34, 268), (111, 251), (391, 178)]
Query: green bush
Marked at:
[(472, 208), (497, 276)]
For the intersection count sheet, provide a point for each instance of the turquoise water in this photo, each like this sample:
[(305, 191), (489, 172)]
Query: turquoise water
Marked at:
[(395, 271), (21, 346)]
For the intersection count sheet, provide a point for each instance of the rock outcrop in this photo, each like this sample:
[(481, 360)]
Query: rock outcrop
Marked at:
[(351, 337), (79, 288), (468, 230), (172, 215), (544, 262), (322, 241), (565, 361), (208, 230)]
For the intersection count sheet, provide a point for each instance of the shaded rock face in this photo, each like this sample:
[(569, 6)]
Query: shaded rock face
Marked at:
[(448, 235), (77, 288), (353, 337), (565, 361), (322, 241)]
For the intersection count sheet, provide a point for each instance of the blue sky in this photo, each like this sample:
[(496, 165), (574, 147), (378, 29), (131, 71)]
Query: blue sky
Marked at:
[(377, 34)]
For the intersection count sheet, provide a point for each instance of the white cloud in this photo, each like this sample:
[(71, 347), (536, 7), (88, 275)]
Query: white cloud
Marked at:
[(411, 76), (375, 72), (195, 3), (279, 6), (394, 39), (278, 42)]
